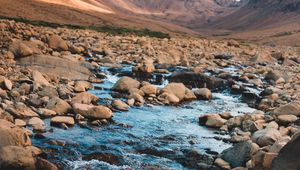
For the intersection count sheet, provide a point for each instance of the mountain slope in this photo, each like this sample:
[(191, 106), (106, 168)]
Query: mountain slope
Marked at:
[(163, 15), (276, 21), (187, 13), (260, 14), (264, 21), (81, 12)]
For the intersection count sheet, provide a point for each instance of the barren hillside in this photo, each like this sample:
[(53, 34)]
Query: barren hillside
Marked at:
[(265, 21), (268, 21), (163, 15), (81, 12)]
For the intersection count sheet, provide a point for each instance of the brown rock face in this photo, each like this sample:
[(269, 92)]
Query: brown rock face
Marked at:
[(146, 66), (85, 98), (292, 108), (20, 49), (57, 66), (266, 136), (16, 158), (203, 94), (11, 135), (125, 84), (273, 75), (62, 119), (39, 79), (20, 110), (212, 120), (149, 90), (287, 119), (263, 160), (139, 100), (6, 84), (179, 90), (119, 105), (92, 112), (82, 86), (57, 43), (45, 165), (36, 123), (46, 112), (58, 105)]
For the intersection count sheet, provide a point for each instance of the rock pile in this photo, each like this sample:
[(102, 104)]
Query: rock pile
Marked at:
[(46, 73)]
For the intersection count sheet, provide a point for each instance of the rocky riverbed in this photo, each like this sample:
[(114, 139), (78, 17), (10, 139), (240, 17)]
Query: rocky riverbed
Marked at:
[(79, 99)]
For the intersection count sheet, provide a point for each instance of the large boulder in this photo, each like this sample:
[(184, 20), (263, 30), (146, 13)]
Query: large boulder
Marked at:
[(20, 110), (7, 84), (168, 98), (273, 75), (138, 99), (180, 91), (263, 159), (199, 80), (57, 120), (58, 105), (222, 164), (43, 164), (62, 67), (149, 90), (212, 120), (238, 154), (292, 108), (266, 136), (263, 57), (250, 126), (120, 105), (286, 119), (12, 135), (203, 94), (57, 43), (48, 91), (85, 98), (288, 158), (39, 79), (16, 158), (36, 123), (82, 86), (125, 83), (21, 49), (145, 66), (92, 112), (46, 112), (26, 48)]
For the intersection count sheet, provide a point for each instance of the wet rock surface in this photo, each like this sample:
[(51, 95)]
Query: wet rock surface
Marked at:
[(65, 91)]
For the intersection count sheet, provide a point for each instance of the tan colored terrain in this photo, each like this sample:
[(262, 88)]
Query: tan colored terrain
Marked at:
[(266, 22), (276, 22), (87, 13), (46, 74)]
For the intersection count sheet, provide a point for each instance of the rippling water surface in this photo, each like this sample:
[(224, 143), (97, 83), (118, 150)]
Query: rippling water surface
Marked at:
[(143, 137)]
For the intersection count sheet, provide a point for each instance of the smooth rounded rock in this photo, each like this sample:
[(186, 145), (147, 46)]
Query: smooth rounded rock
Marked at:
[(119, 105), (125, 84), (203, 94), (92, 112), (57, 120)]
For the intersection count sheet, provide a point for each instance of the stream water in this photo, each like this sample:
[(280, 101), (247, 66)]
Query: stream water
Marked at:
[(148, 137)]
